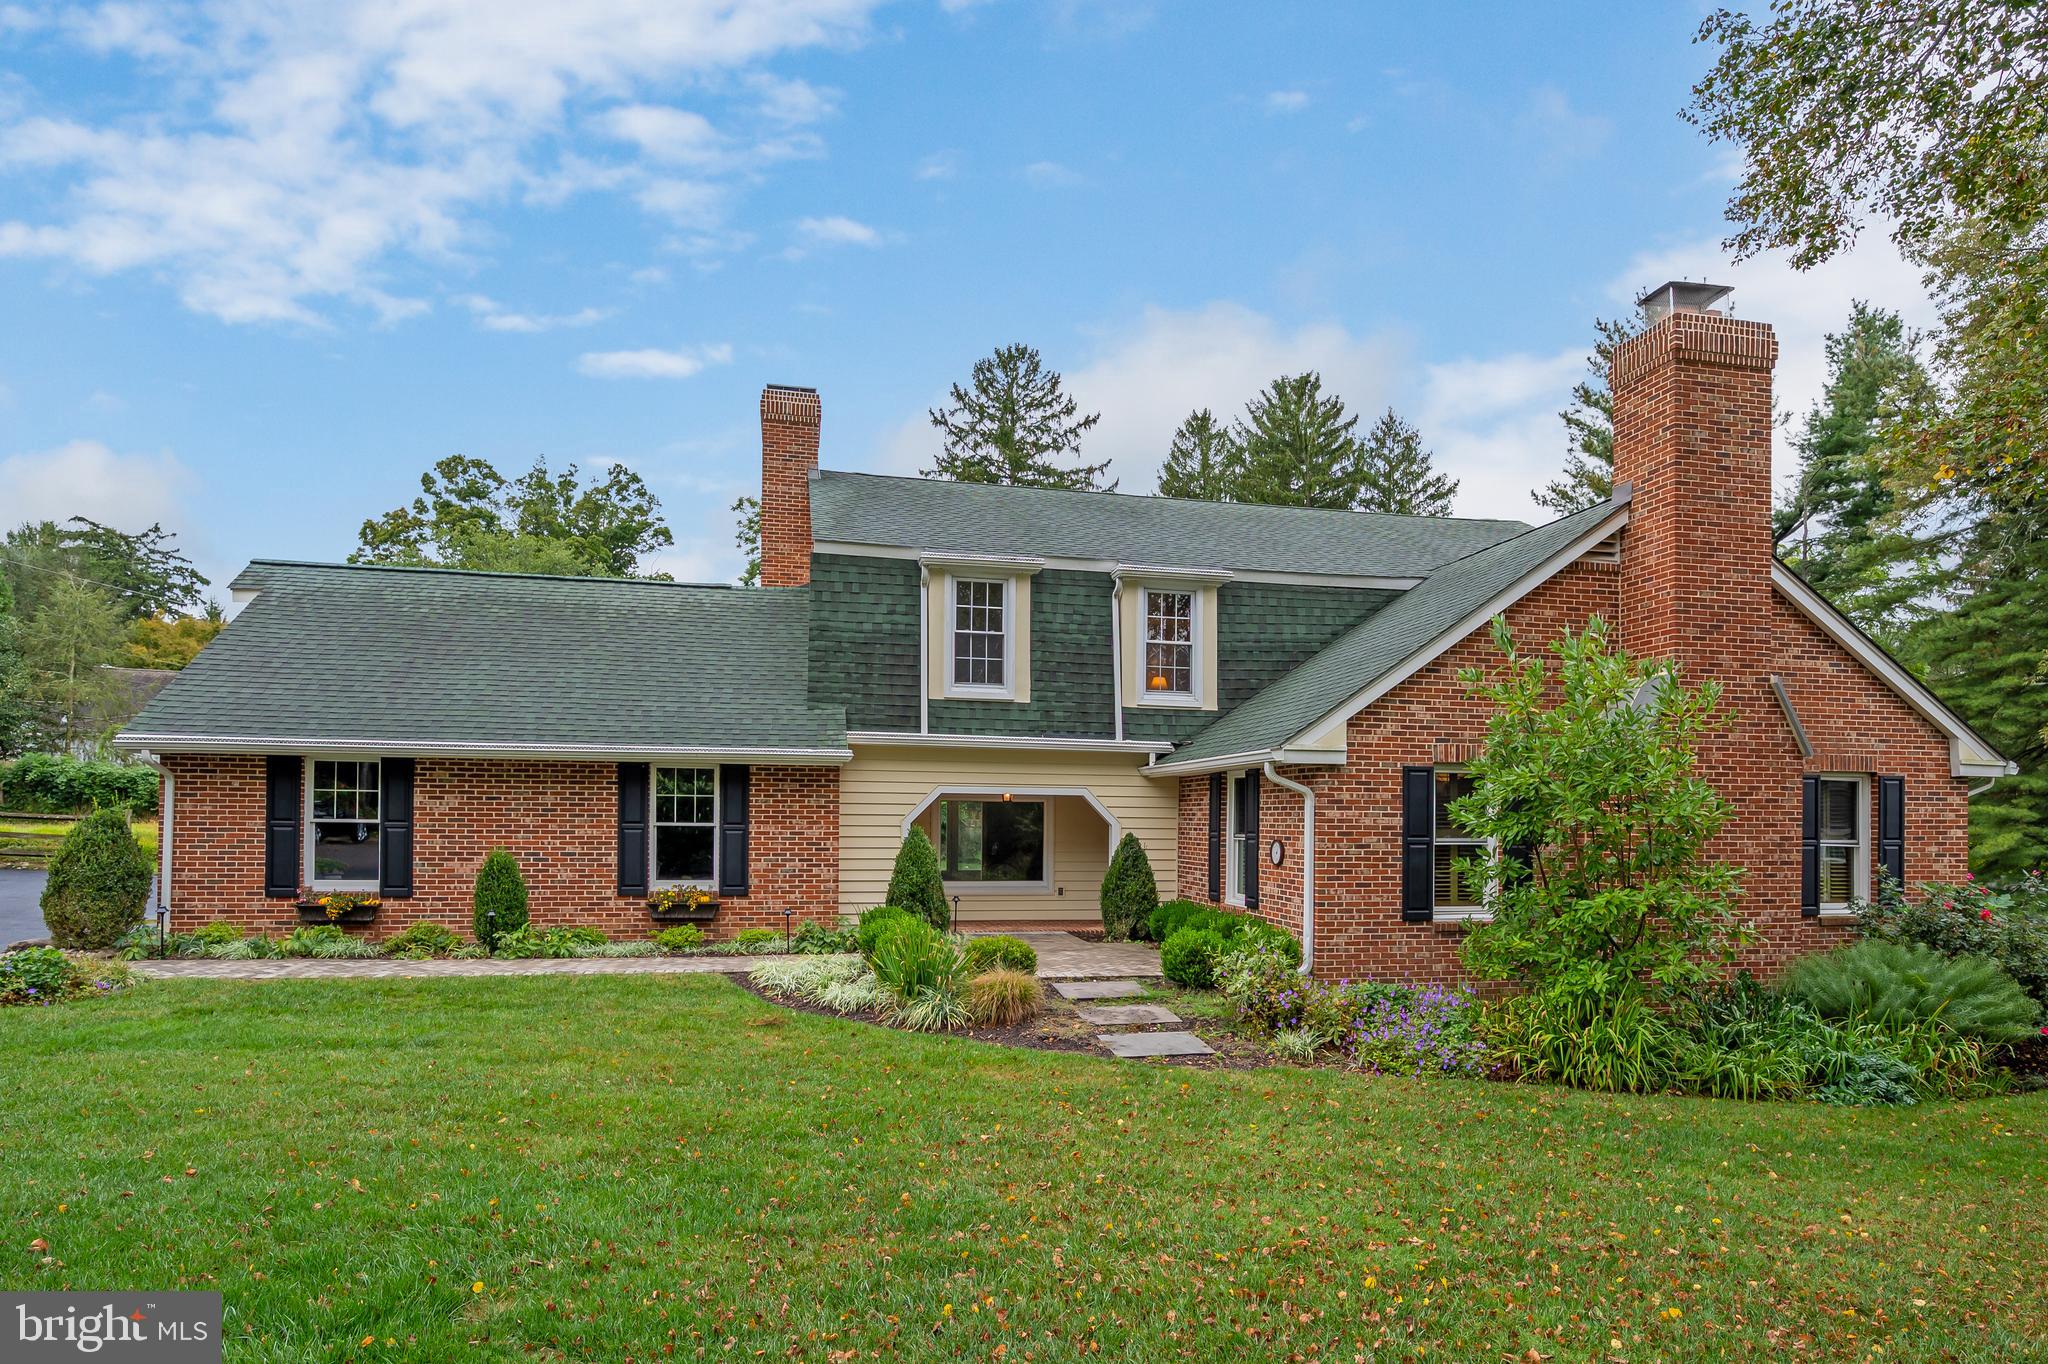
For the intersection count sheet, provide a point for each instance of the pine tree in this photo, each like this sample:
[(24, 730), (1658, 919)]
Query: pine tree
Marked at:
[(1202, 461), (1296, 447), (1012, 424), (747, 535), (14, 707), (1589, 423), (67, 646), (1843, 528), (1395, 474)]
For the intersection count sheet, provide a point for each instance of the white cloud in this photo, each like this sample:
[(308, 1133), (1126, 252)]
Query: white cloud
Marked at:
[(1560, 133), (492, 317), (1050, 175), (674, 136), (938, 166), (837, 230), (274, 159), (651, 363), (1286, 101), (85, 478), (1492, 424)]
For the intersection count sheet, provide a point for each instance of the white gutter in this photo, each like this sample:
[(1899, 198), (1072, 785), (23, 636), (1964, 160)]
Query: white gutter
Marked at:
[(399, 748), (1308, 866), (1225, 762), (1116, 654), (924, 686), (904, 738)]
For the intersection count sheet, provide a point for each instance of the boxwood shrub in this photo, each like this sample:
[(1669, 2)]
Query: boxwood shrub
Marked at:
[(1190, 957), (1001, 952)]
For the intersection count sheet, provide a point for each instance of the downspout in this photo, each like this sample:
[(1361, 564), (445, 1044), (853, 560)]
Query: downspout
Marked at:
[(1116, 654), (1976, 791), (924, 686), (1308, 864), (168, 785)]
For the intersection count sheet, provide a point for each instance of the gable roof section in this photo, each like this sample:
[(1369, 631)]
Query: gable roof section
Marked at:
[(931, 515), (331, 658), (1380, 652)]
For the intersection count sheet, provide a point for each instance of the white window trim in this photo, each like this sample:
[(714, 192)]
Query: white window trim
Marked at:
[(654, 825), (1041, 886), (1479, 913), (1008, 584), (1859, 871), (1192, 698), (1233, 852), (312, 880)]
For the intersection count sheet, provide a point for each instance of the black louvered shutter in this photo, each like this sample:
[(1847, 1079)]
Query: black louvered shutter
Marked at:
[(1418, 843), (1249, 822), (1809, 847), (632, 828), (1891, 827), (394, 860), (732, 829), (1215, 838), (281, 812)]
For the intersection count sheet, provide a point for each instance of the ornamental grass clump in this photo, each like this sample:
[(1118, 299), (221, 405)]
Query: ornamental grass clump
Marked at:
[(1003, 998), (1001, 950), (925, 976)]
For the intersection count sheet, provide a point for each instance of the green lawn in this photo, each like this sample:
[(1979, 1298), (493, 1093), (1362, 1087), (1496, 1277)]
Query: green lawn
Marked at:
[(629, 1163)]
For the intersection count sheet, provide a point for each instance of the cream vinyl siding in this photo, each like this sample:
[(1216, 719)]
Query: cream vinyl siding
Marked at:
[(884, 783)]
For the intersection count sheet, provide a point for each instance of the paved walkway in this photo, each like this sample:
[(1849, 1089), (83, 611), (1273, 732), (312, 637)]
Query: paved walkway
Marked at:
[(1060, 955)]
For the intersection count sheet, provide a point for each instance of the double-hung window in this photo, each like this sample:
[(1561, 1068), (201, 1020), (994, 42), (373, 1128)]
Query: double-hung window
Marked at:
[(1169, 645), (1460, 876), (979, 637), (1844, 828), (685, 825), (342, 812)]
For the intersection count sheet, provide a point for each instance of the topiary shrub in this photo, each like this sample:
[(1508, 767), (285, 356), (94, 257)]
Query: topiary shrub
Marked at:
[(915, 886), (1900, 985), (873, 924), (1190, 957), (1129, 894), (499, 900), (1001, 952), (1174, 914), (99, 883)]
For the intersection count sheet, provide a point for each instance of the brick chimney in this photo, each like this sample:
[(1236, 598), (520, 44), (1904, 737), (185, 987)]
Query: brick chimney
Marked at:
[(790, 418), (1692, 434)]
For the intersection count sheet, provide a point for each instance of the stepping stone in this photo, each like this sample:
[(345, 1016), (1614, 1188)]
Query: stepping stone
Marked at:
[(1097, 989), (1124, 1015), (1139, 1044)]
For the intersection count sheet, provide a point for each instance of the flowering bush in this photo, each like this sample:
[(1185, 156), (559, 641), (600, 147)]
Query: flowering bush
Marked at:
[(45, 975), (2008, 924), (1385, 1029)]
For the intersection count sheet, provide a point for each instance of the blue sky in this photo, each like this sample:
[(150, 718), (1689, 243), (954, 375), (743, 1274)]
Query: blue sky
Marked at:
[(259, 272)]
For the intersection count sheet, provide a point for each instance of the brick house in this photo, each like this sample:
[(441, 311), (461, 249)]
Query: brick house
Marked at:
[(1266, 697)]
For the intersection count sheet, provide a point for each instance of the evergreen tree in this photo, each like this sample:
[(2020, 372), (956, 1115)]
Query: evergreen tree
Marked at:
[(144, 574), (67, 646), (1296, 447), (746, 533), (1395, 474), (14, 707), (1588, 477), (1843, 528), (1202, 461), (1011, 426)]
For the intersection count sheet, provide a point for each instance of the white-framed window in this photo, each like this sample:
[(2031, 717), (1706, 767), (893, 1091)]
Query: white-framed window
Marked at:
[(343, 820), (1235, 847), (979, 632), (995, 844), (1844, 826), (1460, 885), (685, 840), (1170, 646)]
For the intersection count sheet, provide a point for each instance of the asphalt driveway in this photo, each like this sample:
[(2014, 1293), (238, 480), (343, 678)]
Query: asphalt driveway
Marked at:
[(21, 914)]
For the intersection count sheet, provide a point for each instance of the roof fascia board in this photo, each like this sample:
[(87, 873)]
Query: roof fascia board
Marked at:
[(249, 743), (1111, 566), (1328, 732), (1969, 755), (1160, 573), (1291, 757), (906, 739), (973, 563)]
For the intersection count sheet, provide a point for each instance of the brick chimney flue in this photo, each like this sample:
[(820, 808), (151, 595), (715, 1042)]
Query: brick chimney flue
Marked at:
[(790, 421)]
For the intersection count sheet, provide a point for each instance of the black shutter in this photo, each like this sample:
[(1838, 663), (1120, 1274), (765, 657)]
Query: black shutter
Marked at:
[(282, 811), (394, 875), (632, 828), (1891, 827), (1418, 844), (732, 829), (1249, 822), (1809, 847), (1215, 838)]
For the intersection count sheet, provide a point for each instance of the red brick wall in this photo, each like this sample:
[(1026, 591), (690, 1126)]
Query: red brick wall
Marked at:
[(790, 422), (559, 818)]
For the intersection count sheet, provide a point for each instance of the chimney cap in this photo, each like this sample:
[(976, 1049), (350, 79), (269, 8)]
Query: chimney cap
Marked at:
[(1680, 296)]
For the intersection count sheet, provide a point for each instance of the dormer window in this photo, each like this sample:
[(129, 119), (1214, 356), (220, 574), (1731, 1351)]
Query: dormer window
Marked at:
[(1169, 645), (978, 638)]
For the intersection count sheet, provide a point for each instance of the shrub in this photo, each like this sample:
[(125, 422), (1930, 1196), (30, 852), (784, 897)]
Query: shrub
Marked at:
[(522, 943), (679, 938), (816, 939), (1003, 998), (1161, 923), (1896, 984), (45, 975), (1190, 957), (306, 939), (99, 883), (423, 939), (2009, 925), (55, 784), (215, 932), (1872, 1077), (1295, 1044), (1001, 950), (873, 924), (1129, 892), (499, 901), (757, 939), (1581, 1041), (915, 886)]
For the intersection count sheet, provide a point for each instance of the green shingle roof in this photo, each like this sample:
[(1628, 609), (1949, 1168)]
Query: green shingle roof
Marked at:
[(979, 518), (335, 654), (1375, 647)]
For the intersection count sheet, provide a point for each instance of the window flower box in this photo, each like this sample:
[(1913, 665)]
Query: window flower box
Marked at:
[(338, 907), (683, 905)]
